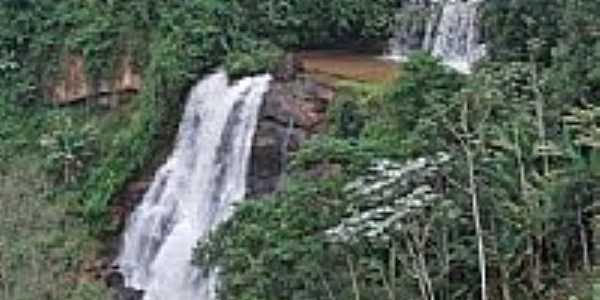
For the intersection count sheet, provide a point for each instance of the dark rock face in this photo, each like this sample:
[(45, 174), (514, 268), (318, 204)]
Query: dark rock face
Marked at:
[(125, 204), (116, 282), (293, 110)]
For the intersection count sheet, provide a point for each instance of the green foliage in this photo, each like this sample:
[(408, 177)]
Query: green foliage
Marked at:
[(510, 25), (257, 57), (88, 291), (68, 148), (198, 35), (275, 248), (42, 247), (534, 164), (354, 102), (560, 35), (333, 151), (425, 83), (574, 74), (410, 105), (531, 181), (347, 118), (171, 44), (315, 23)]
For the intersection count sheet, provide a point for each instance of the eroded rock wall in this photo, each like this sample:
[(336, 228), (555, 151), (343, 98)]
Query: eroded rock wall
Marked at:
[(293, 110), (72, 83)]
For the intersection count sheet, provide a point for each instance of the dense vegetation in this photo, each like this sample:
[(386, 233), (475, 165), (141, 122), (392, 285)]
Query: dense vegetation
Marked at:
[(503, 200), (60, 166), (502, 203)]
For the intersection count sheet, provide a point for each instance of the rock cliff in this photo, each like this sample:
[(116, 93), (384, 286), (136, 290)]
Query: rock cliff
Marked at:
[(293, 110), (73, 83)]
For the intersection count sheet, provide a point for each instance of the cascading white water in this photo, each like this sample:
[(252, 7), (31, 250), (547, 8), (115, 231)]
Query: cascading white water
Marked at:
[(194, 191), (457, 40), (415, 26), (450, 31)]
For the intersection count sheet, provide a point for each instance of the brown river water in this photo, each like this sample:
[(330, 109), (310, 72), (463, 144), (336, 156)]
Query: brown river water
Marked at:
[(331, 66)]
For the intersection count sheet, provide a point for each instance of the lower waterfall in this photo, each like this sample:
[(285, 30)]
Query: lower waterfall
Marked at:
[(193, 191)]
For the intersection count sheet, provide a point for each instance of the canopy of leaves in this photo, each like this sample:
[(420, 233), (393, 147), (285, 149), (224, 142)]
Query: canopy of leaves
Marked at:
[(525, 123)]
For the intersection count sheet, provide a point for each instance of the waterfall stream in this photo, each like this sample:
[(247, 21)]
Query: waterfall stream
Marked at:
[(458, 37), (193, 191), (448, 29)]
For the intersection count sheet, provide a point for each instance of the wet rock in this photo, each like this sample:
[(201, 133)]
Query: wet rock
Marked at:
[(127, 200), (293, 110), (116, 282), (114, 279), (282, 108), (130, 294), (270, 152)]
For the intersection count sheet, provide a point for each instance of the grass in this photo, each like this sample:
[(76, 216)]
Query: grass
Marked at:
[(586, 286), (42, 246), (46, 246)]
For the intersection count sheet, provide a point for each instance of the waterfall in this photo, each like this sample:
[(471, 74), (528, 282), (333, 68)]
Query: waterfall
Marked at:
[(458, 38), (409, 37), (193, 191), (451, 32)]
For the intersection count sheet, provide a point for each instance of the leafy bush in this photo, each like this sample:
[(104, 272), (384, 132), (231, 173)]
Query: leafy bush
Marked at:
[(316, 23), (259, 57), (346, 117), (405, 116), (510, 25), (274, 248), (425, 82), (69, 149)]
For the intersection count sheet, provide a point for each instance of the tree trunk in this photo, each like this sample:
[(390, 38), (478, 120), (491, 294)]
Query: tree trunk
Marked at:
[(425, 275), (474, 201), (355, 288), (538, 239), (504, 273), (446, 249), (392, 263), (478, 229), (583, 240)]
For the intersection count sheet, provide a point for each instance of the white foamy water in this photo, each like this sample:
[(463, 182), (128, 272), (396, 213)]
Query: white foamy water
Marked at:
[(450, 30), (193, 191)]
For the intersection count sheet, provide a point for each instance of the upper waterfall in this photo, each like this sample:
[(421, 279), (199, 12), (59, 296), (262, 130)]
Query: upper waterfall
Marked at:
[(193, 191), (449, 30)]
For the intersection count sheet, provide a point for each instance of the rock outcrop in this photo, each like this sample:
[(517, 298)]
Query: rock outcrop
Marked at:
[(73, 83), (293, 110)]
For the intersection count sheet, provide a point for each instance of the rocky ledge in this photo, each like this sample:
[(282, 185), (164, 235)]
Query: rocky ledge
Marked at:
[(293, 109), (73, 83)]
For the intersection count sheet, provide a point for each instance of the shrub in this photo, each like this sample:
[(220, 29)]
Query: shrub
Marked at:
[(68, 148), (256, 57)]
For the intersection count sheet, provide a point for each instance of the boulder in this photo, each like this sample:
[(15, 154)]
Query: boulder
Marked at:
[(116, 282)]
